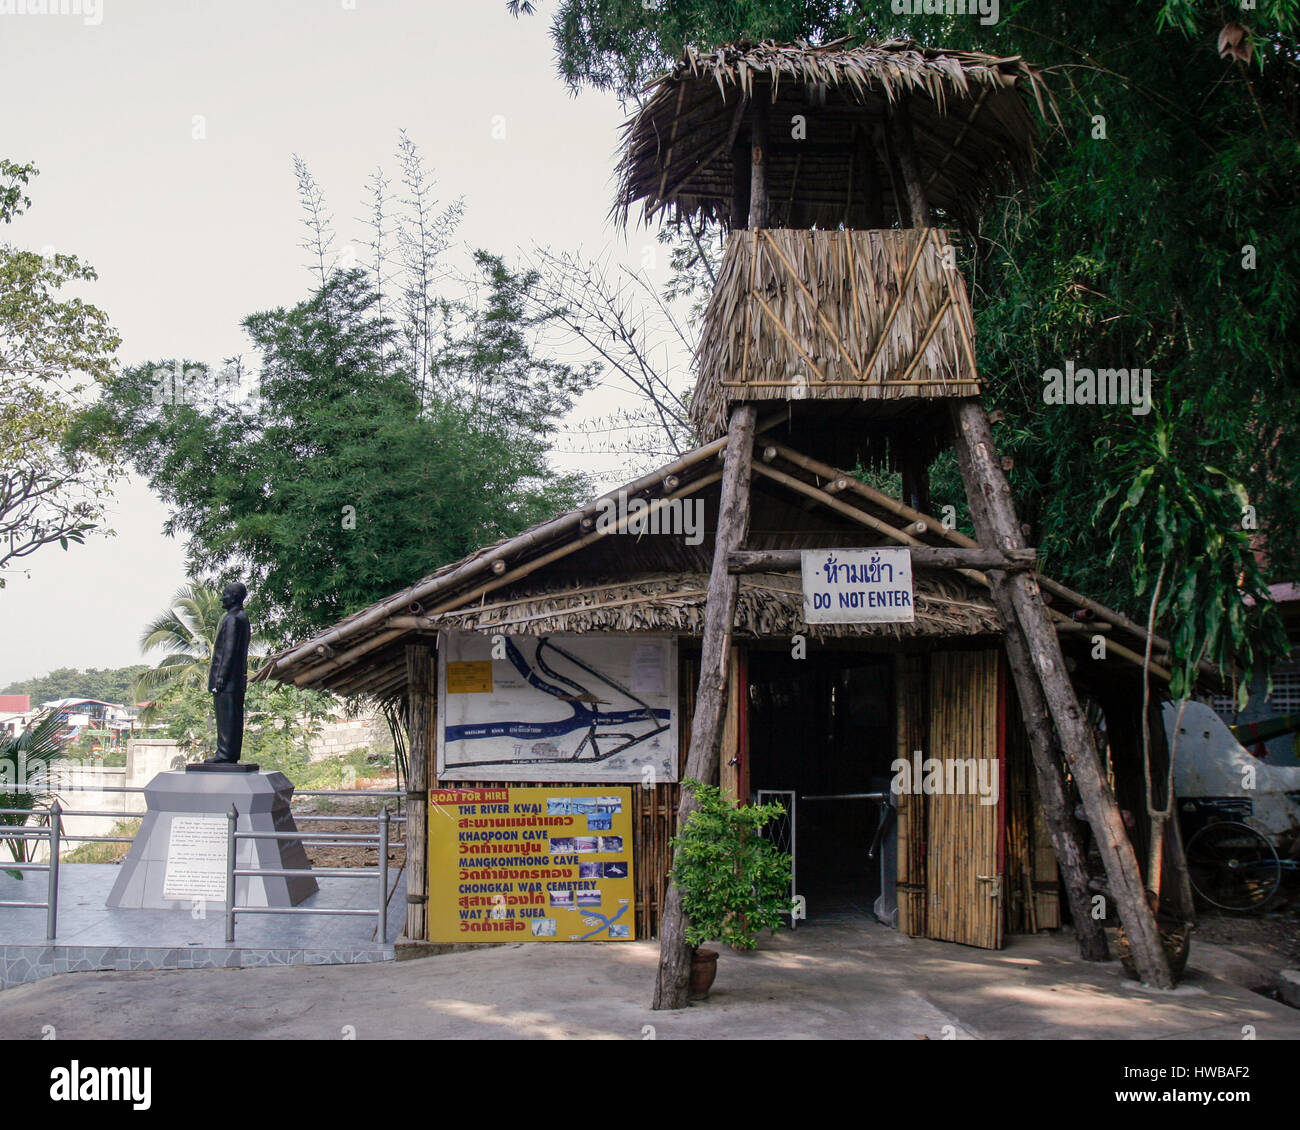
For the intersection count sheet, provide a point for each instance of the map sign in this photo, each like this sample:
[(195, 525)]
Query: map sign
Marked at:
[(531, 865), (557, 708), (852, 586)]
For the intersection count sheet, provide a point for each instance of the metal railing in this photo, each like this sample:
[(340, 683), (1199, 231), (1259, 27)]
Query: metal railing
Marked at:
[(52, 834), (56, 836), (341, 839)]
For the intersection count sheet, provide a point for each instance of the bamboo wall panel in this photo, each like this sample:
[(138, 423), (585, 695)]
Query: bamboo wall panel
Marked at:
[(911, 684), (963, 884)]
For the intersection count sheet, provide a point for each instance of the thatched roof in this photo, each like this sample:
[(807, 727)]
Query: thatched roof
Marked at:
[(971, 122), (571, 575), (842, 315), (768, 605)]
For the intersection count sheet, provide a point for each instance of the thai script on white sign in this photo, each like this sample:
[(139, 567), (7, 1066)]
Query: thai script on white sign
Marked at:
[(849, 586)]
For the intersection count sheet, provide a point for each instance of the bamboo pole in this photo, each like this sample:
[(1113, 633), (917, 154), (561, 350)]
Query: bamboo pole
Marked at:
[(420, 719), (923, 557), (826, 471), (710, 704)]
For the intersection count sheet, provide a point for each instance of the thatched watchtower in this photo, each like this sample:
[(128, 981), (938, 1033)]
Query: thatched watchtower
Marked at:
[(831, 159), (841, 300)]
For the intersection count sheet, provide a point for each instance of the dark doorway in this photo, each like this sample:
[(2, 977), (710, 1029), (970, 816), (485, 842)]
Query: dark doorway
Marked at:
[(823, 726)]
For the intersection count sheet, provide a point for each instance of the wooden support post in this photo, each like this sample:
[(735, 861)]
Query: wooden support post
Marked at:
[(730, 752), (900, 140), (758, 198), (740, 184), (421, 704), (994, 514), (711, 698)]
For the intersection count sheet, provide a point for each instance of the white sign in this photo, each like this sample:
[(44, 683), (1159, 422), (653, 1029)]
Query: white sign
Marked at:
[(566, 708), (196, 859), (852, 586)]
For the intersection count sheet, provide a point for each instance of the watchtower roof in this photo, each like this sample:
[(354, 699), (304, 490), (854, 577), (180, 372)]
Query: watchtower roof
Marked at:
[(970, 116)]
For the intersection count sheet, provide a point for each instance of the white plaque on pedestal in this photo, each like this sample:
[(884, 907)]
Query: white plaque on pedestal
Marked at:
[(196, 859)]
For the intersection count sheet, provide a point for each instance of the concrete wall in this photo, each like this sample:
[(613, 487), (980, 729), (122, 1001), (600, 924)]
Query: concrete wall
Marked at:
[(87, 787), (342, 735)]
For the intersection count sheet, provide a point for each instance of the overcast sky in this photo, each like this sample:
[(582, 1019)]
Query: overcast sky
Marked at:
[(164, 134)]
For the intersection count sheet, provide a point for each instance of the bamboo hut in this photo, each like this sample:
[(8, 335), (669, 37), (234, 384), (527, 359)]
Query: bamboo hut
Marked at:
[(840, 334), (572, 577)]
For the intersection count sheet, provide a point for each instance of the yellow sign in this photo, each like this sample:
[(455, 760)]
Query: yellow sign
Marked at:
[(531, 865), (469, 678)]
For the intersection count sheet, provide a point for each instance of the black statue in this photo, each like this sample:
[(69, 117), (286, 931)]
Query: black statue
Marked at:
[(228, 675)]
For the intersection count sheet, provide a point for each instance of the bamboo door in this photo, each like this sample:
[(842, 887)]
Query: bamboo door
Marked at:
[(964, 815)]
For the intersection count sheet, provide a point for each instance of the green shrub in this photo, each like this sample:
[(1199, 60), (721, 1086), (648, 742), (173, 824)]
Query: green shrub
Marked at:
[(734, 883)]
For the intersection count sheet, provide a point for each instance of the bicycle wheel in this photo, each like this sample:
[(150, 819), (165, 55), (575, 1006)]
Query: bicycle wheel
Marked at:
[(1232, 866)]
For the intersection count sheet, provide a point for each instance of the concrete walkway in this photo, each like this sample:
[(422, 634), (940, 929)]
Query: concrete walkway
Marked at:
[(845, 979)]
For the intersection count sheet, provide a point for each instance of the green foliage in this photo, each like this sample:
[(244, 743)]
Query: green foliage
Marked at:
[(279, 720), (188, 633), (734, 883), (24, 779), (325, 773), (108, 684), (619, 46), (1190, 16), (333, 487), (1171, 243), (105, 853), (52, 491), (1182, 517)]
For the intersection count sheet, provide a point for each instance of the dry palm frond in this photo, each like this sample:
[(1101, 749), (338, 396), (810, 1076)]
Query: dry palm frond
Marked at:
[(800, 315), (971, 120)]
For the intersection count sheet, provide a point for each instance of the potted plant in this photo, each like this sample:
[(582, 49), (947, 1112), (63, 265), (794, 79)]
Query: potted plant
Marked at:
[(734, 883)]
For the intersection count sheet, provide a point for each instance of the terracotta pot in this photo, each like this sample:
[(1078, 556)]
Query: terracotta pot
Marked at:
[(704, 967)]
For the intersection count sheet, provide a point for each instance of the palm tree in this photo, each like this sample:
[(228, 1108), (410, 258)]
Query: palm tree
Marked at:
[(188, 631), (24, 778)]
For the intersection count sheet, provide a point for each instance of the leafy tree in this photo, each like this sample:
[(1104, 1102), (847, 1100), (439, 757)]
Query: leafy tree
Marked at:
[(188, 633), (619, 46), (332, 487), (279, 721), (51, 491), (108, 684), (24, 779), (1164, 234)]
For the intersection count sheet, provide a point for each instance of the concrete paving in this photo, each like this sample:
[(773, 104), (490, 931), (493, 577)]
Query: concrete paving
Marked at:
[(846, 978)]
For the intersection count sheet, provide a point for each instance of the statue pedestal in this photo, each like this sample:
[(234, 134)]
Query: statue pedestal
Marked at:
[(179, 854)]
